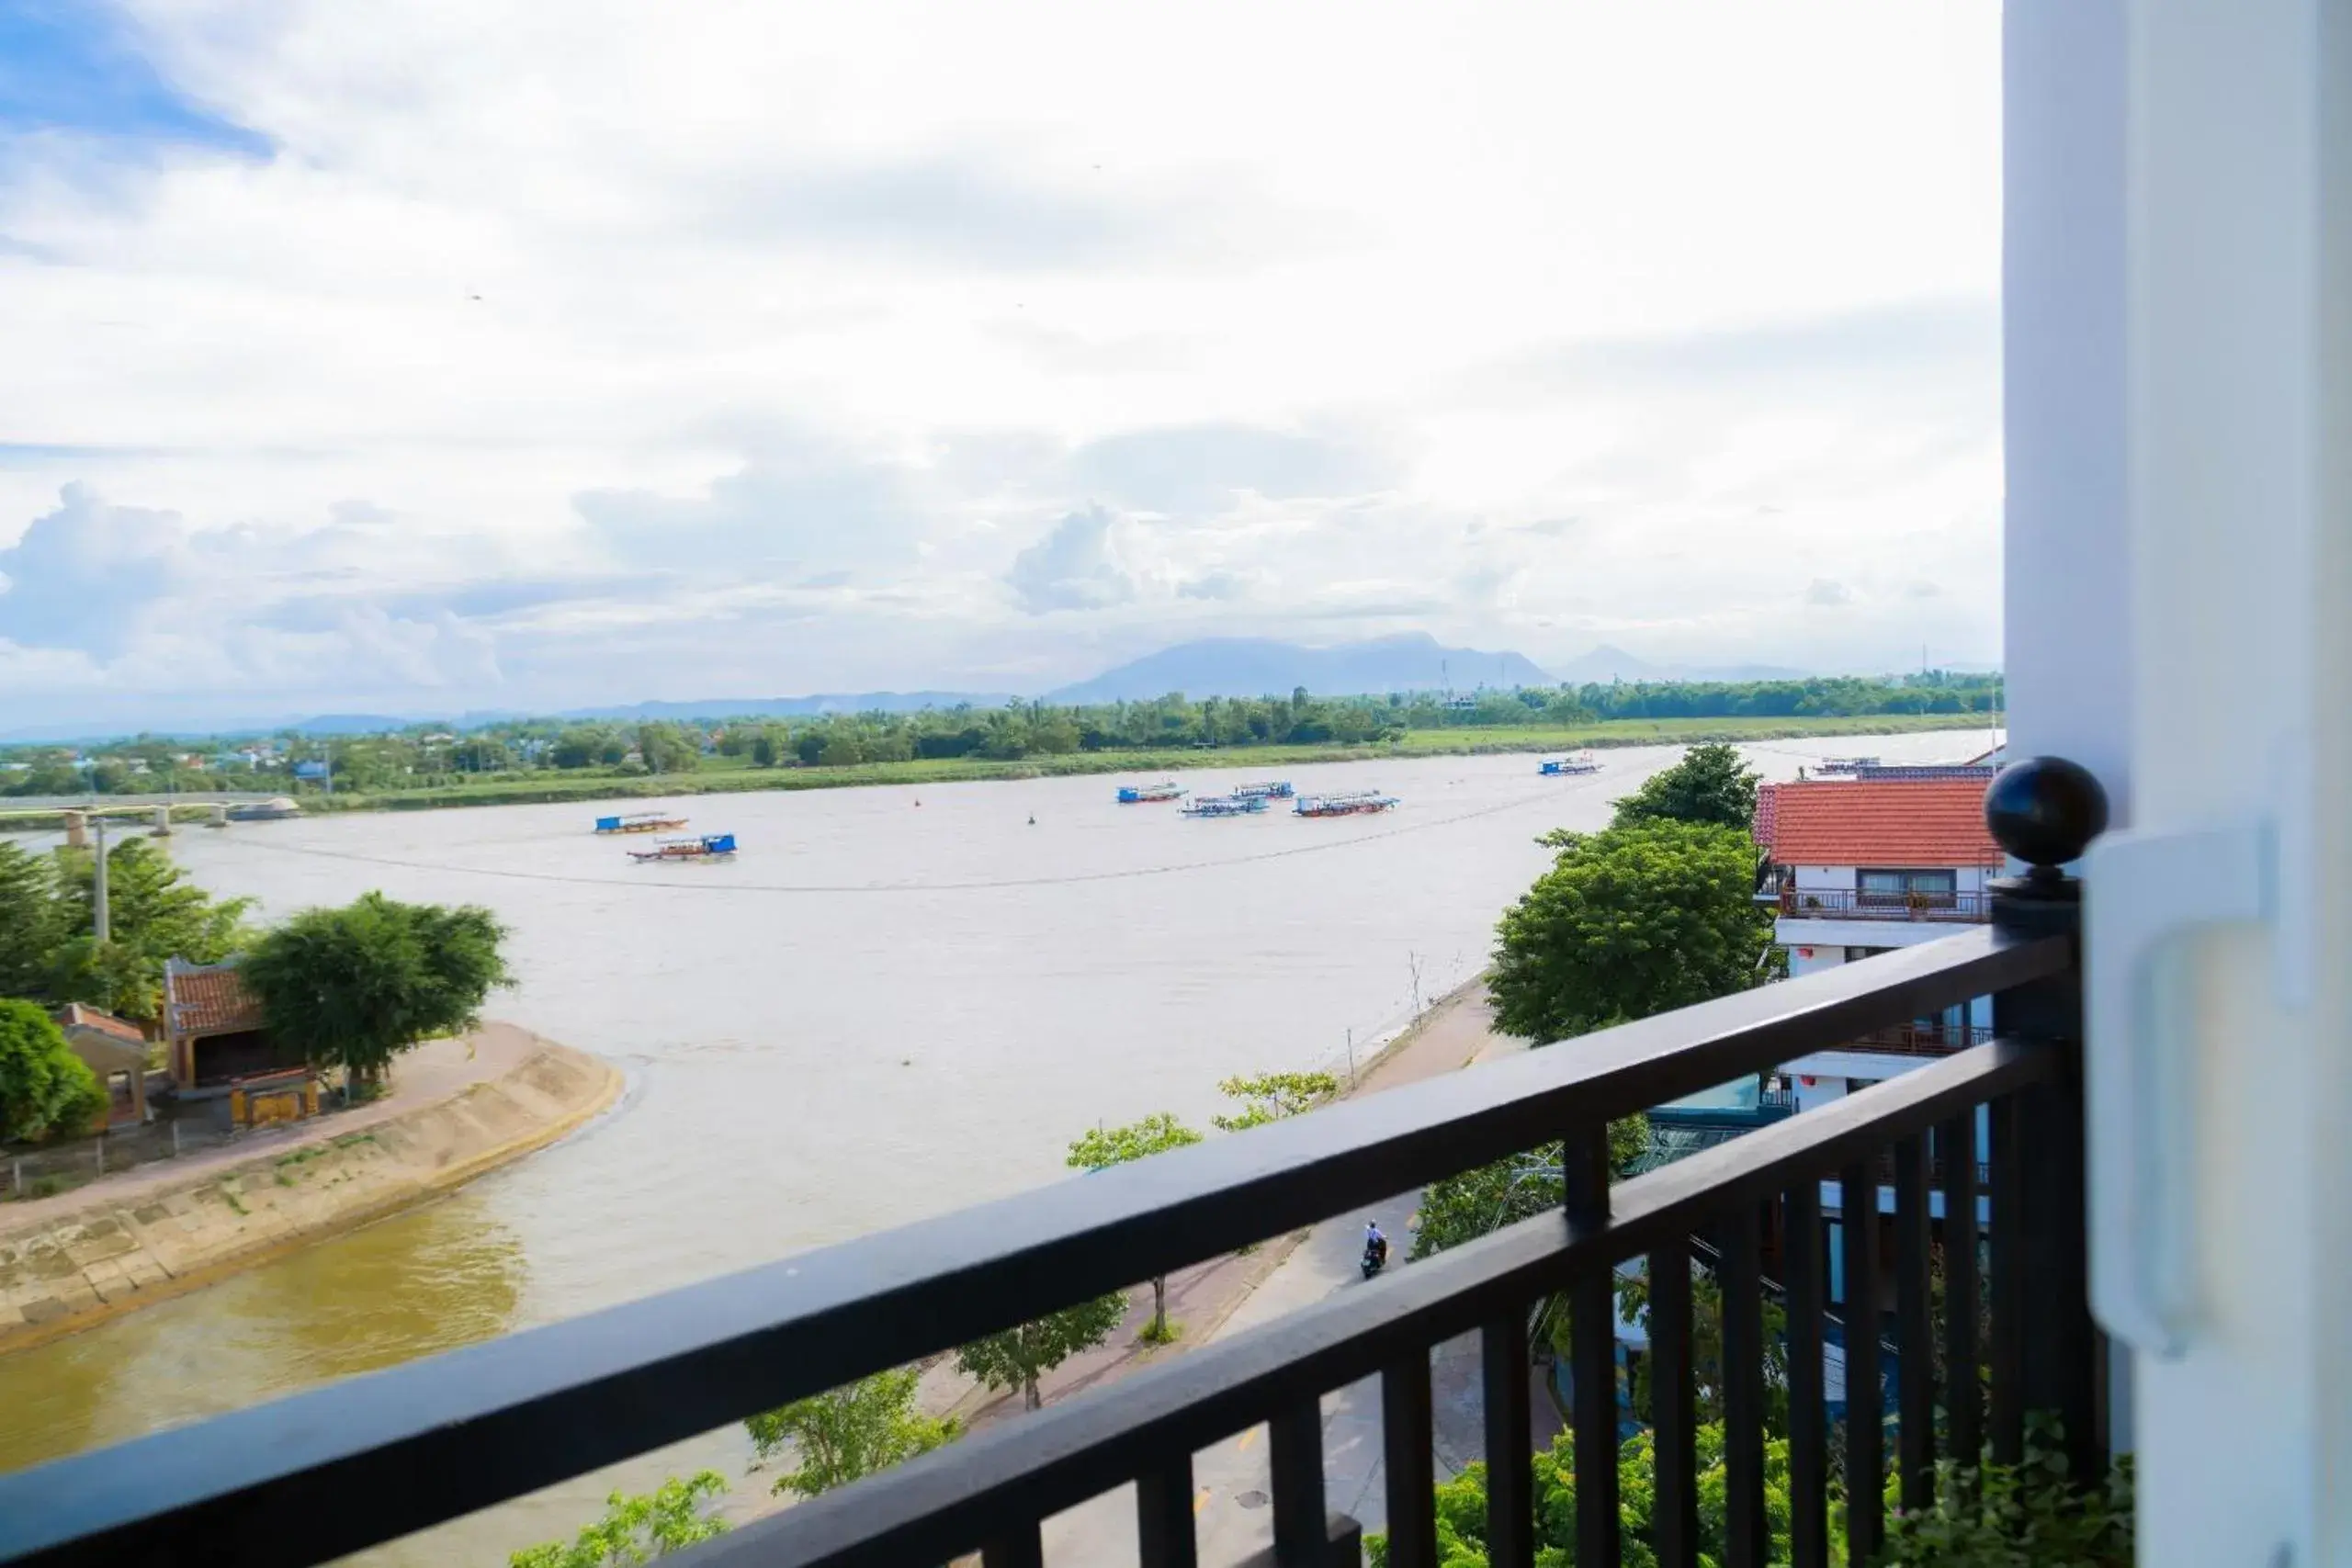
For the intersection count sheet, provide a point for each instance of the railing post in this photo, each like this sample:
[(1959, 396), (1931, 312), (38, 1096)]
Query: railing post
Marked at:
[(1592, 1350), (2045, 811)]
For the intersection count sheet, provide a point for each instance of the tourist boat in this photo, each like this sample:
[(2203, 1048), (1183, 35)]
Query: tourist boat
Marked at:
[(642, 822), (1360, 803), (710, 846), (264, 810), (1559, 767), (1845, 764), (1227, 806), (1150, 794), (1278, 790)]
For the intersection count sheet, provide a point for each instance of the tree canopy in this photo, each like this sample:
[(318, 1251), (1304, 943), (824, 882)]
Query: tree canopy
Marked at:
[(1018, 1357), (1107, 1146), (1629, 921), (356, 985), (635, 1531), (1485, 1197), (1710, 785), (45, 1090), (30, 927), (848, 1432), (1272, 1097), (48, 946)]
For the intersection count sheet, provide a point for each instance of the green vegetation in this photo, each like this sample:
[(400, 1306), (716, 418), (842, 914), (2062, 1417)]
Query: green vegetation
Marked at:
[(1997, 1515), (635, 1531), (45, 1090), (848, 1432), (1463, 1208), (1272, 1097), (1107, 1146), (1710, 786), (48, 947), (546, 760), (356, 986), (1019, 1357)]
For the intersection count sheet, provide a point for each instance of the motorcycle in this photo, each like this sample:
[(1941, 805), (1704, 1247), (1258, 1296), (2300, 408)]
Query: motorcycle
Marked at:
[(1374, 1258)]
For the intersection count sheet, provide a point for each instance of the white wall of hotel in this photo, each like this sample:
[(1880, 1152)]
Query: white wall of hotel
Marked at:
[(2177, 303)]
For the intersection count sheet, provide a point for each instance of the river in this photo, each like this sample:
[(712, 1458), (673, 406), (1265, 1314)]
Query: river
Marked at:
[(895, 1001)]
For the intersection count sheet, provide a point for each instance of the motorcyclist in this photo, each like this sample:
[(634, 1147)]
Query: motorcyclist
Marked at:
[(1375, 1245)]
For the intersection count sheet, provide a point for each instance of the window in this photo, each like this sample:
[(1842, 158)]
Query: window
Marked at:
[(1899, 889)]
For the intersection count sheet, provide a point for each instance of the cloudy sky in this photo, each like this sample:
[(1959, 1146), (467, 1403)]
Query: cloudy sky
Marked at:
[(502, 352)]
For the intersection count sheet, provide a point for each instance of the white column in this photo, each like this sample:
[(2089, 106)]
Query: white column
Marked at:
[(2240, 565), (2066, 600)]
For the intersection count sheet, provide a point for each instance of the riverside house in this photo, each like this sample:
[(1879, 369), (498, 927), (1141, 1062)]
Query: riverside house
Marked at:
[(116, 1050)]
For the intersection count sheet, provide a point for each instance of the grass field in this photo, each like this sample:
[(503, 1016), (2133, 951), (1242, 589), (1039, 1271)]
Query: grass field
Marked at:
[(727, 774)]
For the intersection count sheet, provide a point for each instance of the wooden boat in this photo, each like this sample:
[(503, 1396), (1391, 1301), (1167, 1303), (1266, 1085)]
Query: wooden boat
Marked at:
[(1227, 806), (710, 846), (1278, 790), (640, 822), (1150, 794), (1560, 767), (1844, 765), (1363, 803)]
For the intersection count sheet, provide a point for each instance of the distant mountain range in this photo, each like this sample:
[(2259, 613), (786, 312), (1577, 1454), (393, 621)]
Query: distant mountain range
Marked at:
[(1209, 666), (1253, 666)]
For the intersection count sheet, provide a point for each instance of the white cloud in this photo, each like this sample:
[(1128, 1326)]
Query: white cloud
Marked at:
[(538, 352)]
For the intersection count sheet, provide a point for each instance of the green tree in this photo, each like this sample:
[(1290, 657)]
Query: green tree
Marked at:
[(853, 1430), (1105, 1147), (1018, 1357), (667, 748), (356, 986), (153, 913), (1628, 922), (1710, 786), (764, 751), (30, 926), (1271, 1097), (45, 1090), (635, 1531)]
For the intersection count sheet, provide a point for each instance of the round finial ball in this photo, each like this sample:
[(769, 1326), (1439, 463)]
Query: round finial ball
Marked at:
[(2045, 810)]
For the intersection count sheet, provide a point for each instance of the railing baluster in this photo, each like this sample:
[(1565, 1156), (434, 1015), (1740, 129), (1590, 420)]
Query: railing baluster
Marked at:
[(1164, 1536), (1747, 1535), (1294, 1441), (1511, 1501), (1915, 1326), (1808, 1415), (1592, 1341), (1963, 1401), (1675, 1517), (2060, 1351), (2007, 1434), (1408, 1457), (1865, 1407), (1023, 1548)]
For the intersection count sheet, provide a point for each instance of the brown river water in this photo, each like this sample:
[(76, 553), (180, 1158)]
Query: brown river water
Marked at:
[(880, 1010)]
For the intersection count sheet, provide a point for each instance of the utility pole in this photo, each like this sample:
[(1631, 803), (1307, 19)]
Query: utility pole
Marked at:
[(98, 887)]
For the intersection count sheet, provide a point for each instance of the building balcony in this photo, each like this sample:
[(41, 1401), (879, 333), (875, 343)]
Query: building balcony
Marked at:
[(1849, 904), (323, 1473)]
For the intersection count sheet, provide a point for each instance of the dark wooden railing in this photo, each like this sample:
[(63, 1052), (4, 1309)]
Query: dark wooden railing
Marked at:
[(1920, 1039), (1851, 904), (313, 1476)]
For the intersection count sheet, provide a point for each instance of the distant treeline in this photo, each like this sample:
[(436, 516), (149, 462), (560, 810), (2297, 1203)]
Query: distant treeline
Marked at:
[(424, 755)]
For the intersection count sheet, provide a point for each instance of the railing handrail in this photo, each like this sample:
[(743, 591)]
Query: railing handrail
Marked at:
[(924, 1511), (1960, 906), (442, 1436)]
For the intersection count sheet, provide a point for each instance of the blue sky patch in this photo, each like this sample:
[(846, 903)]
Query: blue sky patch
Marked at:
[(76, 68)]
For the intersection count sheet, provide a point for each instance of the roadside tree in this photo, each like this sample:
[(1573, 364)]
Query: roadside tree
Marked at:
[(848, 1432), (1272, 1097), (29, 927), (355, 987), (1629, 921), (1019, 1357), (635, 1531), (1710, 786), (154, 912), (1105, 1147), (45, 1090)]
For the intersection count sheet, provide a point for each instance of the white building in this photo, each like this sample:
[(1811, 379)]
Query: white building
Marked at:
[(1864, 866)]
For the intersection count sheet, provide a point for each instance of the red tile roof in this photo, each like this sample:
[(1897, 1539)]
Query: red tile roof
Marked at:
[(1767, 812), (75, 1015), (209, 1001), (1882, 822)]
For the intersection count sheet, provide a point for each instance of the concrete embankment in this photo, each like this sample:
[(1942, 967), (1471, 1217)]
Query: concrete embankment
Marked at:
[(464, 1107)]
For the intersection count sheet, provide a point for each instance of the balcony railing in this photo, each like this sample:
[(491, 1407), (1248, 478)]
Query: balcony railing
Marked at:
[(1850, 904), (1920, 1039), (329, 1471)]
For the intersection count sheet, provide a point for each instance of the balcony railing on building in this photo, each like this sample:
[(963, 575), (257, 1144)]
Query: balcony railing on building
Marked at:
[(323, 1473), (1966, 907)]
